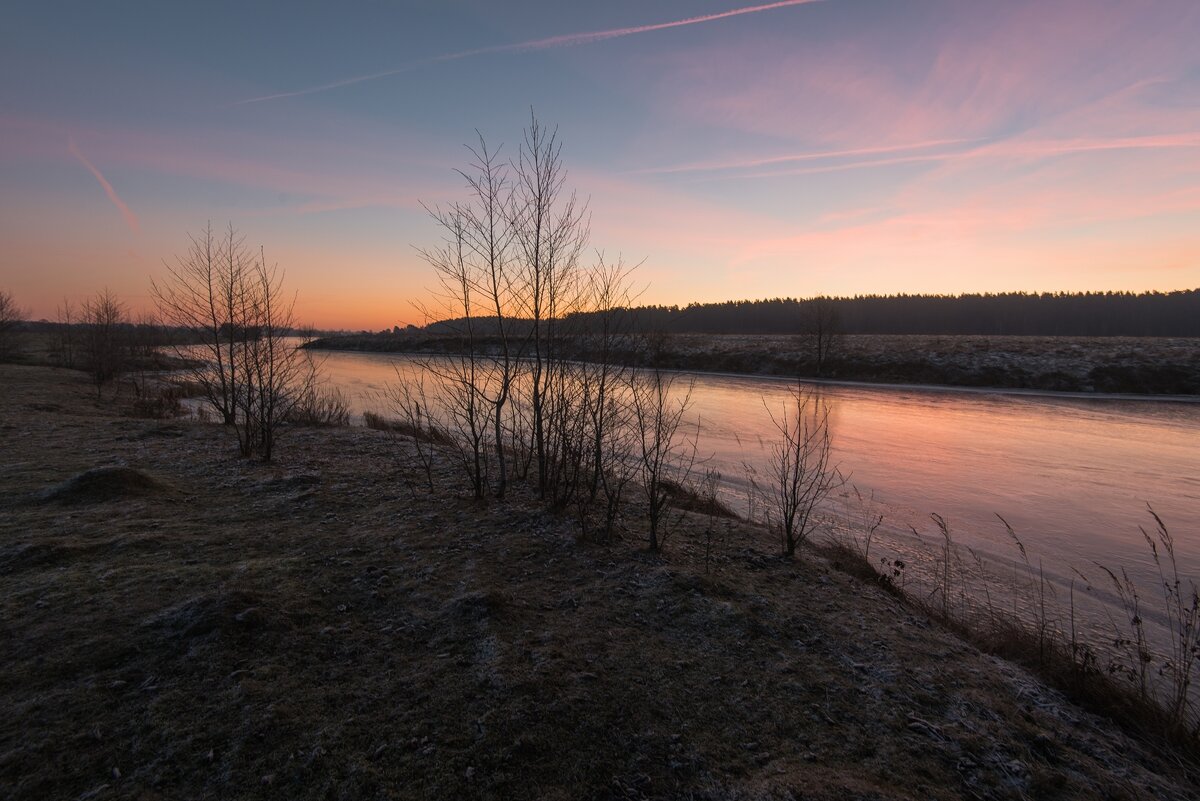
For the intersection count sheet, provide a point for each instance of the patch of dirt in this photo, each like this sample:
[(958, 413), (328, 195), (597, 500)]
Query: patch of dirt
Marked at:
[(381, 641)]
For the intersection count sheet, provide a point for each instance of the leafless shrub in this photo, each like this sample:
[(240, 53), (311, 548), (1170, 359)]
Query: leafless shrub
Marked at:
[(67, 319), (801, 475), (207, 292), (510, 280), (664, 455), (10, 318), (105, 346), (240, 318)]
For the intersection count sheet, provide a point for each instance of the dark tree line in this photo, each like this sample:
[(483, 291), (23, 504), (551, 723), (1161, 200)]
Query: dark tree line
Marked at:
[(1098, 314), (1012, 313)]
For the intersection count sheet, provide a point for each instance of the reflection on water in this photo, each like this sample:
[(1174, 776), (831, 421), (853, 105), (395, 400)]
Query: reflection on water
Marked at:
[(1072, 476)]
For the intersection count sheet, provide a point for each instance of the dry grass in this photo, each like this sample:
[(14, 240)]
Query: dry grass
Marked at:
[(1125, 677), (429, 434)]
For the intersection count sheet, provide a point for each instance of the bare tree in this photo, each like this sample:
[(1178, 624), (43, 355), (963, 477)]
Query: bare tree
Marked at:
[(664, 455), (104, 337), (550, 231), (205, 294), (463, 376), (144, 339), (240, 322), (10, 318), (821, 329), (66, 333), (276, 374), (800, 473), (510, 279), (600, 377)]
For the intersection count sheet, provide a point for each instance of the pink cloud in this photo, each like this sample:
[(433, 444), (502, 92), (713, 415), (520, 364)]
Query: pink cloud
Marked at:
[(968, 71), (1029, 149), (130, 218)]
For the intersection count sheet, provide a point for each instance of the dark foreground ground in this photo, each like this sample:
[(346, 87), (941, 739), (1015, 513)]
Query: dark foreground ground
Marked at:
[(320, 629)]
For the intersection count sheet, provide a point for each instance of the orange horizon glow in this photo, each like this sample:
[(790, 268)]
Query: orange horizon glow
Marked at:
[(738, 152)]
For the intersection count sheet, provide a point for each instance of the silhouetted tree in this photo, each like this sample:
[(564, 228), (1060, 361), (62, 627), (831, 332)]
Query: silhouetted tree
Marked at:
[(10, 317), (105, 340), (66, 333), (820, 328)]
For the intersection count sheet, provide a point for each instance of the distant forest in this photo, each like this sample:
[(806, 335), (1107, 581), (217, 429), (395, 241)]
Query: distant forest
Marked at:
[(1175, 314)]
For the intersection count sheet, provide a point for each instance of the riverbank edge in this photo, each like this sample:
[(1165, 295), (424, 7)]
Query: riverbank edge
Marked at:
[(321, 345)]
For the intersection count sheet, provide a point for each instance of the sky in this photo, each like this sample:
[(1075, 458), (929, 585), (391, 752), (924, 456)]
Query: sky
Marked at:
[(734, 150)]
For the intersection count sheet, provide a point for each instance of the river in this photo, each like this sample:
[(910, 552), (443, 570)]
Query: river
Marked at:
[(1073, 476)]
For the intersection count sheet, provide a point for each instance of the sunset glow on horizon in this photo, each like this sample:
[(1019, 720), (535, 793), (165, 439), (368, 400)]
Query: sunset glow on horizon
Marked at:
[(736, 150)]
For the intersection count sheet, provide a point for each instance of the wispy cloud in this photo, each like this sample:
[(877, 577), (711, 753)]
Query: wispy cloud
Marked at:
[(564, 40), (1032, 149), (819, 155), (130, 218)]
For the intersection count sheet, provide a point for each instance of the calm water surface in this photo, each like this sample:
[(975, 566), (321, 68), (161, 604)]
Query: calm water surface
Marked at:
[(1072, 476)]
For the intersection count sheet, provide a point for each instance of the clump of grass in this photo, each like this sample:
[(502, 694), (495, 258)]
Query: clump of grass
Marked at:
[(692, 499), (1162, 679), (187, 388), (847, 558), (406, 429), (319, 406), (162, 404), (1182, 607), (849, 547)]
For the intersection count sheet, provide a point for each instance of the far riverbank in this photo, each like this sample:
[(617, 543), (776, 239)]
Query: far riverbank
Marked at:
[(1116, 366)]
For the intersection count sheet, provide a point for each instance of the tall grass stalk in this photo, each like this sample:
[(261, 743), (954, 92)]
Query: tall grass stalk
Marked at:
[(1122, 675)]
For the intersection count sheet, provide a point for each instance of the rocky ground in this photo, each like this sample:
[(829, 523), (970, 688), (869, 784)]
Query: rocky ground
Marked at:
[(199, 626)]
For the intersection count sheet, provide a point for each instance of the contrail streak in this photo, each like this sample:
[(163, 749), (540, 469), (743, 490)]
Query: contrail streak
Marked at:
[(565, 40), (130, 218), (810, 156), (1029, 149)]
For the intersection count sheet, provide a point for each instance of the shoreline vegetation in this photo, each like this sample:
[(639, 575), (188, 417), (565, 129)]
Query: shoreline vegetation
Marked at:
[(1166, 366), (196, 623)]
